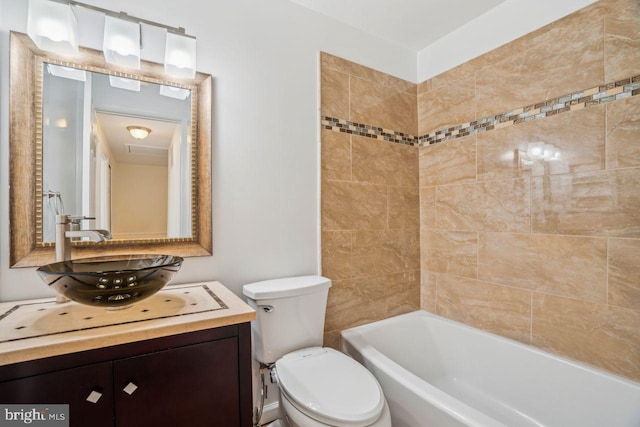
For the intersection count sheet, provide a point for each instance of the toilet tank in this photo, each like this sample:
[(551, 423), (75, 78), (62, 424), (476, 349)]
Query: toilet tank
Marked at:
[(290, 314)]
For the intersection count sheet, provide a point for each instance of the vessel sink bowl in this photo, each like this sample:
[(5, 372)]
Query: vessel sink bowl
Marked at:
[(111, 281)]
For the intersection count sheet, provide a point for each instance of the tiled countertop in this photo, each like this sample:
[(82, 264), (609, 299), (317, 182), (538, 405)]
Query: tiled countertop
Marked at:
[(34, 329)]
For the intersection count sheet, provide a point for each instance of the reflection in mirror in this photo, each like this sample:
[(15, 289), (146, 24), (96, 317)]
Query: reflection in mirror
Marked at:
[(138, 187), (72, 149)]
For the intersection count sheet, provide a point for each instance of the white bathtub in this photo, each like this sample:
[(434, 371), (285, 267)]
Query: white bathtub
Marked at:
[(439, 373)]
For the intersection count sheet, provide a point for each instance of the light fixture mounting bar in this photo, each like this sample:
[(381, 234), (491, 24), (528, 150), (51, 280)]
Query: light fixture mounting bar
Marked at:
[(123, 15)]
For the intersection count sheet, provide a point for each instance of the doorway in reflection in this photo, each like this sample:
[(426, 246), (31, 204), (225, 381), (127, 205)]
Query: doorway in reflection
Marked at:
[(138, 188)]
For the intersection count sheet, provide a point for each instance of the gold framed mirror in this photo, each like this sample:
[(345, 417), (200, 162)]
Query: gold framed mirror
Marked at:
[(40, 140)]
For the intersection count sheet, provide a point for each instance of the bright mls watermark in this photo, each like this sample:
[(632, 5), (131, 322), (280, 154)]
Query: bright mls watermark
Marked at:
[(34, 415)]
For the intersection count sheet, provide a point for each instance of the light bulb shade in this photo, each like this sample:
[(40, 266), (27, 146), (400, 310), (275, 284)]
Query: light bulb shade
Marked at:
[(121, 44), (67, 72), (53, 27), (180, 56), (124, 83), (139, 132), (174, 92)]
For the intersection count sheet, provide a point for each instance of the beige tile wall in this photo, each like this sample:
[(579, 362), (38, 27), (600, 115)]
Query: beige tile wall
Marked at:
[(369, 198), (549, 253)]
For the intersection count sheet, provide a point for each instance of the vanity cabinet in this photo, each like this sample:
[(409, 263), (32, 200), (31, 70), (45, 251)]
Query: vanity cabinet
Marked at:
[(200, 378)]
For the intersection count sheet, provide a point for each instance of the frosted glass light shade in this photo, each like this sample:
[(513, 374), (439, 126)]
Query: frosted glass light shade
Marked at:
[(121, 44), (139, 132), (180, 56), (67, 72), (174, 92), (123, 83), (53, 27)]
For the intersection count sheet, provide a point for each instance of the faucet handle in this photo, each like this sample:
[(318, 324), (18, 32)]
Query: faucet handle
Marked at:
[(75, 219), (71, 219)]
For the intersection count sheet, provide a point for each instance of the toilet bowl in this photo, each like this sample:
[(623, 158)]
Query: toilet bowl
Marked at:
[(323, 387), (319, 386)]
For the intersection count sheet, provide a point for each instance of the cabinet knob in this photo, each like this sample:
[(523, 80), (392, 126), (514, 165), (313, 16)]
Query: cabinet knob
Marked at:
[(94, 396), (130, 388)]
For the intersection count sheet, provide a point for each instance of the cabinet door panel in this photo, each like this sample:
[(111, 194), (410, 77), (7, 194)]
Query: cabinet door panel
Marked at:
[(193, 386), (71, 386)]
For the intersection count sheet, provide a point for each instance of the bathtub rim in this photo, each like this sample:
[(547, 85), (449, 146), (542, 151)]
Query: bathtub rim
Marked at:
[(356, 335)]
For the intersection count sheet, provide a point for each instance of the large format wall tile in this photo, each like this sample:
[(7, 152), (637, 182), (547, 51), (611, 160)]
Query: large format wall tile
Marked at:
[(402, 293), (370, 197), (577, 218), (353, 206), (556, 62), (428, 207), (336, 156), (447, 105), (331, 62), (602, 335), (336, 254), (404, 207), (579, 137), (624, 273), (355, 302), (450, 162), (428, 290), (622, 44), (588, 204), (378, 252), (489, 206), (382, 106), (450, 252), (561, 265), (334, 94), (623, 133), (498, 309), (381, 162)]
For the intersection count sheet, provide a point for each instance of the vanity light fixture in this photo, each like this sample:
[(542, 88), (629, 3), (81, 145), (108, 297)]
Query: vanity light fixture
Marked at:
[(139, 132), (180, 56), (53, 27), (124, 83), (174, 92), (67, 72), (121, 44)]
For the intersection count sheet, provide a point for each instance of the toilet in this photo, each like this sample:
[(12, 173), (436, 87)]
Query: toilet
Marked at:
[(319, 386)]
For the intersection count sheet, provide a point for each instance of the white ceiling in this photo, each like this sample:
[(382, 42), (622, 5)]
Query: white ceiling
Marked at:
[(413, 24)]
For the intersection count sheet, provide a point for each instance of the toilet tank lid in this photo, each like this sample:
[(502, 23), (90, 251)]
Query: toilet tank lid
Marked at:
[(285, 287)]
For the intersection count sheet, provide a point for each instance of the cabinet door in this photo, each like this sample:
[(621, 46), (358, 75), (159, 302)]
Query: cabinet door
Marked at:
[(72, 387), (193, 386)]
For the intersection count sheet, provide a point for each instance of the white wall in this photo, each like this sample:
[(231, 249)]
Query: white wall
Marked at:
[(500, 25), (264, 59)]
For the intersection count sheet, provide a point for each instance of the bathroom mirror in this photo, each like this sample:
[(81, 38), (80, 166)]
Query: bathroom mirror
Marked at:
[(75, 148)]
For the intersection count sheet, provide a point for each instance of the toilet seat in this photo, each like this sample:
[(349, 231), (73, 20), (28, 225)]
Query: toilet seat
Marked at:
[(330, 387)]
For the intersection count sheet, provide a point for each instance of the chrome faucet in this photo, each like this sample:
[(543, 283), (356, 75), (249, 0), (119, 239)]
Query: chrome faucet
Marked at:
[(67, 231)]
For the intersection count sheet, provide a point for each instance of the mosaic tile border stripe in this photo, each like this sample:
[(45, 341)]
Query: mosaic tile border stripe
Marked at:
[(597, 95), (369, 131)]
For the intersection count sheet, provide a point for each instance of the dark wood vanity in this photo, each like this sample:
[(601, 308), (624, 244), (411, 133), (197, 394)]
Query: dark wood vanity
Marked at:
[(195, 379), (187, 370)]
